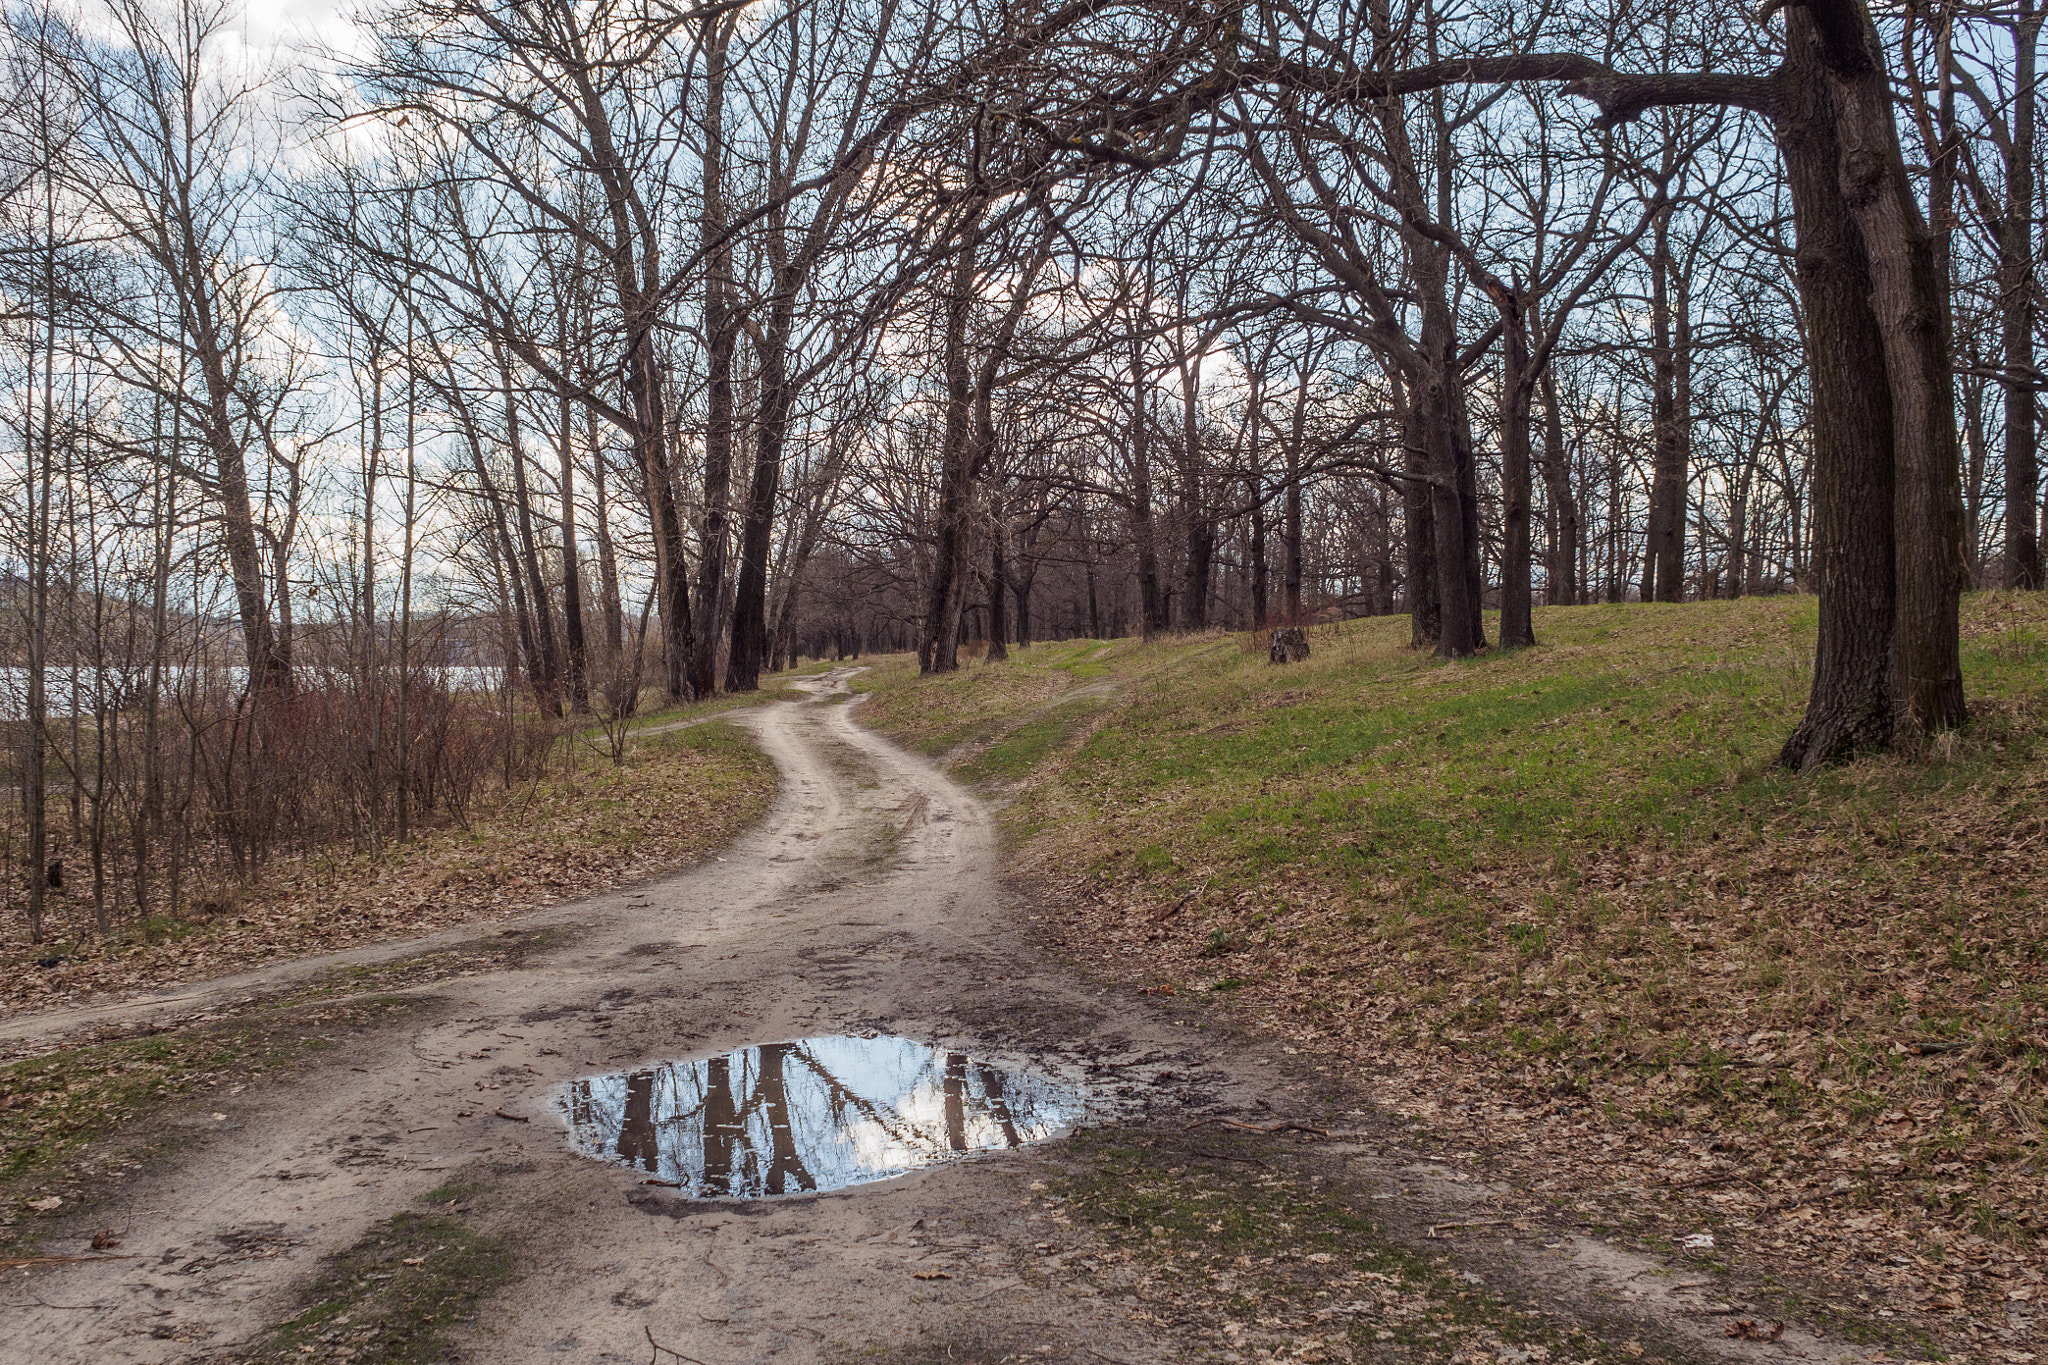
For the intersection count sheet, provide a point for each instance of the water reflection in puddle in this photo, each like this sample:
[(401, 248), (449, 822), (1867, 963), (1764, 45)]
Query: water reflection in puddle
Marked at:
[(814, 1114)]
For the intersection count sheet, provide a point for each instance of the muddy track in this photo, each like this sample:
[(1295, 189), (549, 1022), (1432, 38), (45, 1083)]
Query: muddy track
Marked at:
[(867, 901)]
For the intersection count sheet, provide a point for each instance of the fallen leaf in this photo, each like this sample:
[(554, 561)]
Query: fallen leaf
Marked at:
[(104, 1240), (1749, 1329), (45, 1205)]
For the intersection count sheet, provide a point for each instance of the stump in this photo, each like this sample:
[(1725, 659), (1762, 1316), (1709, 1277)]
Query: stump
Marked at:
[(1290, 645)]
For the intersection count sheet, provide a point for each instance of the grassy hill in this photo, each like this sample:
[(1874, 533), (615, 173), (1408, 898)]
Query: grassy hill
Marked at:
[(1558, 907)]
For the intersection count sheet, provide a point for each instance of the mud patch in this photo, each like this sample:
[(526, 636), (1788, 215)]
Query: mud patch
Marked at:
[(810, 1115)]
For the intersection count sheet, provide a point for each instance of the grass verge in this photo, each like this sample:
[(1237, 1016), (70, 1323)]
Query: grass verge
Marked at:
[(74, 1122), (1559, 905), (1225, 1239), (394, 1297)]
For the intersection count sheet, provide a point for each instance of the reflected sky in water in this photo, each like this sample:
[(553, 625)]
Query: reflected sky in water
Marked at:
[(814, 1114)]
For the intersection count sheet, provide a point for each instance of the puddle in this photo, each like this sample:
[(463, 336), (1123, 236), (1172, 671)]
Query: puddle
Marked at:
[(814, 1114)]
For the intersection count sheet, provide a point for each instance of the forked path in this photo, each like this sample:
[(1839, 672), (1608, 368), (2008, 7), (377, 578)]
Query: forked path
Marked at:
[(867, 901)]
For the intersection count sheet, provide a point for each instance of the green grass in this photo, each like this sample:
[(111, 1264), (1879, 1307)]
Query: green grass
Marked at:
[(1266, 1256), (1572, 875), (393, 1297), (62, 1114)]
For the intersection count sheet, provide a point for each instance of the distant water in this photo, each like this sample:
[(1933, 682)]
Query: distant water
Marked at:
[(127, 688)]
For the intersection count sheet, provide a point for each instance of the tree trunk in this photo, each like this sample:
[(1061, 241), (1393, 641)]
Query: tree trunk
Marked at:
[(721, 342), (1144, 530), (1910, 301), (1418, 515), (939, 652), (2016, 292), (1851, 705), (607, 555), (1563, 569), (1664, 550), (1517, 625), (998, 593)]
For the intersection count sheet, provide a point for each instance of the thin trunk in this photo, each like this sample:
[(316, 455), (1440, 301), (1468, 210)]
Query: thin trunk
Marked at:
[(721, 342), (572, 572), (1664, 546), (1517, 625), (998, 593), (2016, 290), (1563, 569), (939, 650), (607, 556)]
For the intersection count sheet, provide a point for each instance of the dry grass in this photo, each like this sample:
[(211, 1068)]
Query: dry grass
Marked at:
[(1558, 907), (584, 827)]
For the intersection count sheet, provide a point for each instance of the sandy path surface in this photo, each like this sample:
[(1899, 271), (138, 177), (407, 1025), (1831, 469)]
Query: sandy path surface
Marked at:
[(867, 901)]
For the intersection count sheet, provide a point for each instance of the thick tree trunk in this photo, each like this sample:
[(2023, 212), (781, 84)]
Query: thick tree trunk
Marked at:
[(750, 605), (1851, 705), (1459, 633), (1418, 506), (1910, 300)]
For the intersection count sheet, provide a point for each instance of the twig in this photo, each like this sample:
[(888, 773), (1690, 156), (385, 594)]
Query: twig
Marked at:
[(71, 1307), (723, 1278), (1119, 1360), (661, 1350), (1287, 1126), (20, 1262), (991, 1293), (515, 1118), (1225, 1156), (1475, 1223)]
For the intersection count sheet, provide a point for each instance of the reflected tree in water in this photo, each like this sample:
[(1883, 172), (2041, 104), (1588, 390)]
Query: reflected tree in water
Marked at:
[(815, 1114)]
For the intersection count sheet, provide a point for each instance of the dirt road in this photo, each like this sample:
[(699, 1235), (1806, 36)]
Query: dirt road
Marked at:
[(868, 901)]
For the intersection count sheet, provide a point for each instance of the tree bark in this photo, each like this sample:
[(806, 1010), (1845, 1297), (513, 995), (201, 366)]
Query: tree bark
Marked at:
[(1517, 624), (1851, 705), (2016, 290), (1563, 569), (721, 342), (939, 651)]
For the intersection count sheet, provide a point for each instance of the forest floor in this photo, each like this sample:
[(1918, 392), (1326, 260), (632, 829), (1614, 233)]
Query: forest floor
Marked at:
[(1556, 909)]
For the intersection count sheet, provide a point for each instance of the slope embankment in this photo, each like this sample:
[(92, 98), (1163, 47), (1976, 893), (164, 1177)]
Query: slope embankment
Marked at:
[(1558, 909)]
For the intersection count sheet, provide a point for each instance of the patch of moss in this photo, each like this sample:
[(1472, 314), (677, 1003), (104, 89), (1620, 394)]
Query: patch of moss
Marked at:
[(1269, 1257), (394, 1297)]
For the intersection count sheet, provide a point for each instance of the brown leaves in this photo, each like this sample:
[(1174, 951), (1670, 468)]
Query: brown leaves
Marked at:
[(525, 848), (1749, 1329)]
